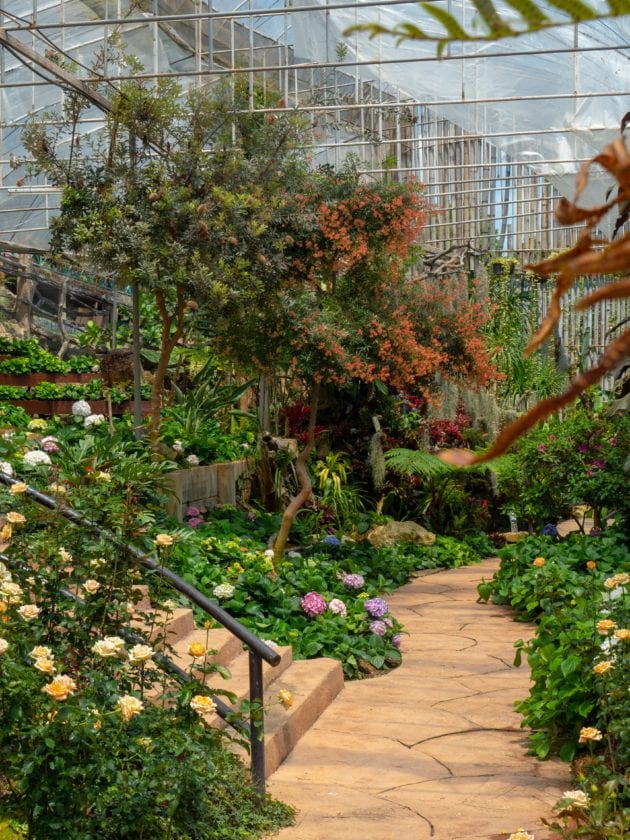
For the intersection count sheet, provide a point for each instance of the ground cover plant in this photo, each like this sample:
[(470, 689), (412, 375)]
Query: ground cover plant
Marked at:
[(578, 593), (83, 750), (325, 599)]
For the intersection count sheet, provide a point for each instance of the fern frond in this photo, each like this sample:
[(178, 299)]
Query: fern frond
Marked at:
[(415, 462)]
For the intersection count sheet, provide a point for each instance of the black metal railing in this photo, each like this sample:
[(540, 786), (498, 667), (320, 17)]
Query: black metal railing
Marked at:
[(258, 650)]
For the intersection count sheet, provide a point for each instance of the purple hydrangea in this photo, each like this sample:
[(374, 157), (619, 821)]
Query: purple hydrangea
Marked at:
[(379, 628), (313, 604), (396, 640), (353, 581), (192, 511), (388, 622), (376, 607)]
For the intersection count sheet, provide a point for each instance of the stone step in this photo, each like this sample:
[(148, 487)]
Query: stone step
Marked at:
[(314, 684)]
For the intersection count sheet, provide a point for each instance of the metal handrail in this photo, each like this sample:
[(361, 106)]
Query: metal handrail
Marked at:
[(258, 650)]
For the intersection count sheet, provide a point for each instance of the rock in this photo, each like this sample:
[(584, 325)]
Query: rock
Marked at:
[(515, 536), (400, 532)]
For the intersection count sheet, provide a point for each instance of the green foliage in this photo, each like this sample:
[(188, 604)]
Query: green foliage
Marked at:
[(578, 593), (71, 760), (489, 25), (578, 459), (335, 491), (225, 551)]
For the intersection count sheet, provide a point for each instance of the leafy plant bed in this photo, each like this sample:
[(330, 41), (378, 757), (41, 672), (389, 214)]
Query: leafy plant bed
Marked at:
[(324, 600), (578, 592), (47, 408), (28, 380)]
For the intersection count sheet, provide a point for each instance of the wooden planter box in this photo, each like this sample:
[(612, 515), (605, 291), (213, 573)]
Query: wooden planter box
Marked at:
[(28, 380), (47, 408), (209, 486)]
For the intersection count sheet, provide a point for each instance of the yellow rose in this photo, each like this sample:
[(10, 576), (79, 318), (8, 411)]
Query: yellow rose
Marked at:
[(197, 650), (60, 688), (108, 647), (40, 651), (12, 592), (602, 667), (3, 646), (591, 564), (623, 634), (18, 488), (5, 533), (129, 706), (58, 489), (164, 540), (91, 586), (202, 704), (589, 733), (285, 698), (538, 561), (15, 518), (102, 476), (45, 665), (605, 626)]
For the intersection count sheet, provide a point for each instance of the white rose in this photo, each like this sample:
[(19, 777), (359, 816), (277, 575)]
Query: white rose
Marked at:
[(139, 654), (6, 468)]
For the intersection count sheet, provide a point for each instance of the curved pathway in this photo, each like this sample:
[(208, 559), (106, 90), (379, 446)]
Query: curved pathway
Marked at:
[(433, 749)]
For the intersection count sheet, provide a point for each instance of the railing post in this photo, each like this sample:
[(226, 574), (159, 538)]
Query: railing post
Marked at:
[(257, 721)]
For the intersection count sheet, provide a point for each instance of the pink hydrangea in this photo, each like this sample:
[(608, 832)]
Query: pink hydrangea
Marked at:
[(379, 628), (313, 604), (338, 607), (353, 581)]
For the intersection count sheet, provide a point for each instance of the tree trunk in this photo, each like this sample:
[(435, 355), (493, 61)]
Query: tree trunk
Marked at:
[(167, 346), (306, 485)]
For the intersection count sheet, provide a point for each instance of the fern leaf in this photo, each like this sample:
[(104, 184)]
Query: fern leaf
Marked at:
[(414, 462), (529, 11)]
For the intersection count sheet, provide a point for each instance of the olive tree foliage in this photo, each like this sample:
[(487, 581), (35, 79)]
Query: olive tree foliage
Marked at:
[(180, 193)]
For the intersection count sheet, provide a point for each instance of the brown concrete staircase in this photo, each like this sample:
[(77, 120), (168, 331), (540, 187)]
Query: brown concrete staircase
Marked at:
[(313, 683)]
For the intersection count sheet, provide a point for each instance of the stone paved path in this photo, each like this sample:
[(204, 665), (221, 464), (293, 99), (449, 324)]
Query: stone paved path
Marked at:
[(434, 748)]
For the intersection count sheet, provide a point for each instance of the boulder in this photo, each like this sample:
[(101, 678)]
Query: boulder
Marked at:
[(400, 532)]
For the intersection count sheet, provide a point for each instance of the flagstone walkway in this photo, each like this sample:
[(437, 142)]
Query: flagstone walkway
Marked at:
[(434, 748)]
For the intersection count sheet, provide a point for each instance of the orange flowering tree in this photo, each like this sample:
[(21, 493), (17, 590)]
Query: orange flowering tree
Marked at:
[(352, 309)]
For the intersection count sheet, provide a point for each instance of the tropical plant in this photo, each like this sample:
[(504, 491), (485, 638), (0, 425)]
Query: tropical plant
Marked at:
[(333, 473)]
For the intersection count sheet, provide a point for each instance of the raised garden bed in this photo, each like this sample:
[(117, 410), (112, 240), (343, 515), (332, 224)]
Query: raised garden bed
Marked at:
[(28, 380), (49, 407)]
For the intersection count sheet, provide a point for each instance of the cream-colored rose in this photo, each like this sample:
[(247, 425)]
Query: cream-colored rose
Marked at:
[(12, 592), (60, 688), (40, 651), (18, 488), (603, 667), (197, 650), (91, 586), (65, 555), (575, 799), (108, 647), (45, 665), (29, 611), (164, 540), (3, 646), (6, 532), (623, 634), (202, 704), (105, 477), (15, 518), (521, 834), (98, 562), (589, 733), (605, 626), (57, 489), (129, 706), (620, 579), (139, 654)]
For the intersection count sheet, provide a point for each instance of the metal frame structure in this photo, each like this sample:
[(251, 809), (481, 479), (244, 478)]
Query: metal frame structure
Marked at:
[(476, 151)]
